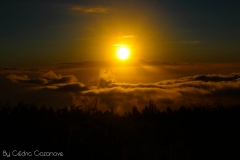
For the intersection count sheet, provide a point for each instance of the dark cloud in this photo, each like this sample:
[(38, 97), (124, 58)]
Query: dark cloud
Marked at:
[(112, 62), (215, 78), (25, 79), (47, 78), (11, 93), (192, 81), (74, 87), (16, 78), (10, 69), (51, 81), (70, 87)]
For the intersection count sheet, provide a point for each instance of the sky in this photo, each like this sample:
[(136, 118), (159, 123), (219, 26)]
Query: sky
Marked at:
[(49, 31), (58, 52)]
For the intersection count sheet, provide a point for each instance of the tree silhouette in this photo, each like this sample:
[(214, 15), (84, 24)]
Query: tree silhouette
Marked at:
[(187, 133)]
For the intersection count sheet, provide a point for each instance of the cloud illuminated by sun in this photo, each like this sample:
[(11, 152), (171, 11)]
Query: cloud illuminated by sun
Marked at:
[(91, 9)]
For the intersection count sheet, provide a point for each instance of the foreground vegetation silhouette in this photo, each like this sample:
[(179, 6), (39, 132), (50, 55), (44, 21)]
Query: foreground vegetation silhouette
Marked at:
[(199, 132)]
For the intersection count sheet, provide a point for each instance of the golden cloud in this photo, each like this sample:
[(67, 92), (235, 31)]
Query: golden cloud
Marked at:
[(92, 9)]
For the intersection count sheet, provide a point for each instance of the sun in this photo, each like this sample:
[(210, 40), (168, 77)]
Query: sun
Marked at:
[(123, 53)]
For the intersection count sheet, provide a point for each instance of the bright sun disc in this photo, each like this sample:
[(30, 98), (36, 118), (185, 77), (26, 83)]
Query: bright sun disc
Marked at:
[(123, 53)]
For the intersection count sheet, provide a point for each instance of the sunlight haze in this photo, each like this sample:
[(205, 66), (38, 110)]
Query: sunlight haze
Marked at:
[(123, 53)]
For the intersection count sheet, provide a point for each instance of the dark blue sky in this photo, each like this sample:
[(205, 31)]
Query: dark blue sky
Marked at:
[(47, 31)]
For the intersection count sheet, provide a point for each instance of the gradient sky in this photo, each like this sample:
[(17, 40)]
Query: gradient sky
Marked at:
[(44, 32), (63, 52)]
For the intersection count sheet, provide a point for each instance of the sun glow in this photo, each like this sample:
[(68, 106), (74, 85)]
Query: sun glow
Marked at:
[(123, 53)]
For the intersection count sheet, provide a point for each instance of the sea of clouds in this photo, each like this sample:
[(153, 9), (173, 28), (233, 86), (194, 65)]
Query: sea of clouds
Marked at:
[(58, 90)]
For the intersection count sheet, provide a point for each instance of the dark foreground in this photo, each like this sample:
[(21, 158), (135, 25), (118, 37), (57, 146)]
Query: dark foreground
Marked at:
[(202, 132)]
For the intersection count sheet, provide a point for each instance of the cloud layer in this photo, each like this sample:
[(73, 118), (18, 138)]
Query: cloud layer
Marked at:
[(92, 9), (51, 81), (122, 97), (174, 93)]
